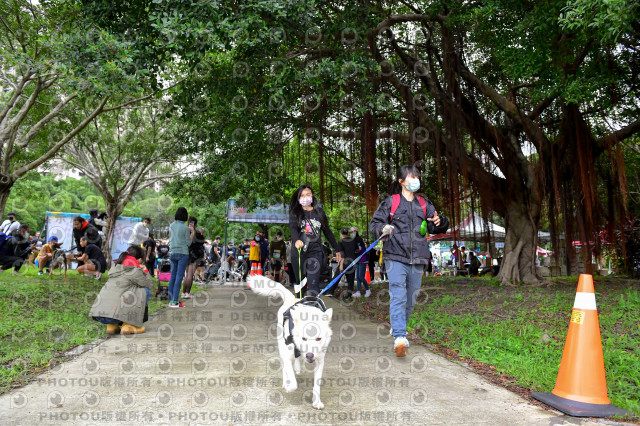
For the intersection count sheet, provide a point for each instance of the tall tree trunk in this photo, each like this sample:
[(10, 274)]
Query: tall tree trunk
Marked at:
[(114, 210), (321, 166), (369, 163), (518, 263), (6, 183)]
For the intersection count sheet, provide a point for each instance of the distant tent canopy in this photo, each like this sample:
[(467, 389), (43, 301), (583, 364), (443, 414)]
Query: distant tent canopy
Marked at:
[(542, 252), (473, 228), (476, 229)]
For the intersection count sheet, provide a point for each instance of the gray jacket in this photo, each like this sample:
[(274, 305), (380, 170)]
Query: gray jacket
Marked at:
[(123, 297), (404, 244)]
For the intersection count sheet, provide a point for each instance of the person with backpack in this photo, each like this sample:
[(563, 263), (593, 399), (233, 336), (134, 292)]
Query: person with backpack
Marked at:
[(307, 222), (15, 248), (196, 253), (406, 218), (10, 224)]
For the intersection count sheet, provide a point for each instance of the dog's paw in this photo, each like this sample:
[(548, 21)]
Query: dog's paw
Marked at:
[(296, 366), (318, 405), (290, 386)]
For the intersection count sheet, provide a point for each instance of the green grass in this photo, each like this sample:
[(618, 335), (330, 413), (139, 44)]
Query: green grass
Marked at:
[(41, 318), (520, 332)]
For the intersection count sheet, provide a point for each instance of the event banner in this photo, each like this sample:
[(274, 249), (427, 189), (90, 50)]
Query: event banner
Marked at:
[(61, 225), (277, 213)]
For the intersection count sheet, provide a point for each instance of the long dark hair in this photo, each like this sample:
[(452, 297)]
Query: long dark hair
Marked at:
[(402, 173), (181, 214), (295, 207), (135, 251)]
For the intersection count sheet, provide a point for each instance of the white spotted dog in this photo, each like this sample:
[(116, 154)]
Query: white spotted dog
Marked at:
[(303, 331)]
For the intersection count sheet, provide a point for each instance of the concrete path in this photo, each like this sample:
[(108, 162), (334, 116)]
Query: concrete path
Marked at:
[(216, 362)]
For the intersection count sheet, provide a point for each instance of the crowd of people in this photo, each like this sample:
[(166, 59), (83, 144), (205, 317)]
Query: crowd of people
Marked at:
[(403, 256)]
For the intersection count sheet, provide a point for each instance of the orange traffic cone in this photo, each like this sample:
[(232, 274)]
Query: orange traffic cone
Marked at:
[(581, 386), (367, 276), (256, 268)]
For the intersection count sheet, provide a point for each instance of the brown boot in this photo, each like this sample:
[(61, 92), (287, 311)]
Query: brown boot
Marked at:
[(131, 329), (113, 328)]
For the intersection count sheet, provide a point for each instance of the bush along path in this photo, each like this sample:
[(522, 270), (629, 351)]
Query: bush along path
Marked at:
[(514, 336)]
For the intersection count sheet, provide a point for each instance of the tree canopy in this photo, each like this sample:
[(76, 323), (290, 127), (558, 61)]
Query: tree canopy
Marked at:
[(511, 108)]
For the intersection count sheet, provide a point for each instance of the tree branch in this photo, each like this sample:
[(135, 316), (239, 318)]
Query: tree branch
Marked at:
[(142, 98), (398, 19), (40, 124), (22, 170), (619, 135)]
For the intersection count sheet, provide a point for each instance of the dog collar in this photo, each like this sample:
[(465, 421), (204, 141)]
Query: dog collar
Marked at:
[(313, 301)]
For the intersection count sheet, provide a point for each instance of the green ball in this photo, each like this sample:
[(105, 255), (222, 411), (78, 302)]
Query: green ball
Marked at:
[(423, 228)]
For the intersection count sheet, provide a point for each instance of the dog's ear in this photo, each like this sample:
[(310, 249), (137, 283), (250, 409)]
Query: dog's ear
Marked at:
[(329, 314)]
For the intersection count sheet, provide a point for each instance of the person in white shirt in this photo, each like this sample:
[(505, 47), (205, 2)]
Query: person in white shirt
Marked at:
[(10, 224), (140, 232)]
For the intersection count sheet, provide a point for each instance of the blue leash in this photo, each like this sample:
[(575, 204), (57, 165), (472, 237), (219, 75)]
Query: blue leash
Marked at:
[(336, 279)]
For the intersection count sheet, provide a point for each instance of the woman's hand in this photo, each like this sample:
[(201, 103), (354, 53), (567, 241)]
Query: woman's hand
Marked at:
[(435, 219), (299, 244)]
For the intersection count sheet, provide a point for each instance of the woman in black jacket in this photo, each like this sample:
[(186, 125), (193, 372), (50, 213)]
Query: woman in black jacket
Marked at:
[(405, 249), (307, 221)]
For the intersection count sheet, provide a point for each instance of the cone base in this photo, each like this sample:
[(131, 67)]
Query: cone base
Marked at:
[(579, 409)]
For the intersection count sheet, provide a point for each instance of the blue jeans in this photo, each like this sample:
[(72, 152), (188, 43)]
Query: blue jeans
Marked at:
[(404, 284), (105, 320), (360, 274), (179, 264)]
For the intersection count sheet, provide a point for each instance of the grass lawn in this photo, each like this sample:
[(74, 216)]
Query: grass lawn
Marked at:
[(516, 334), (41, 318)]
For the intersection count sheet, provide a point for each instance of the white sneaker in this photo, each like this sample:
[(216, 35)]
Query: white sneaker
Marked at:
[(98, 276), (400, 346), (368, 293), (356, 294)]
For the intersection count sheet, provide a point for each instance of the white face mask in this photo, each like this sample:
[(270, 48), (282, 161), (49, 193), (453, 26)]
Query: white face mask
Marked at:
[(412, 184), (306, 201)]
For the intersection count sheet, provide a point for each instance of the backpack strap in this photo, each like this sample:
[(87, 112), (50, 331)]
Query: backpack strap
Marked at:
[(395, 203), (423, 204)]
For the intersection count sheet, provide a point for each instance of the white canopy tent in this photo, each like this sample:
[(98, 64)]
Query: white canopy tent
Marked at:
[(474, 228)]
